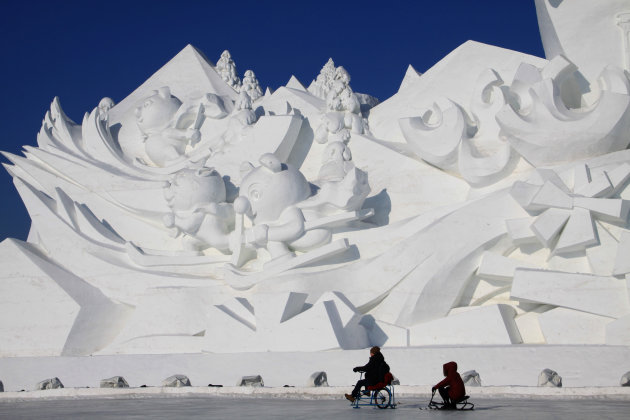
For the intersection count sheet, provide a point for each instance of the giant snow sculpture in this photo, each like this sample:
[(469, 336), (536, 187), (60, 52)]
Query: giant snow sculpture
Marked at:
[(484, 203)]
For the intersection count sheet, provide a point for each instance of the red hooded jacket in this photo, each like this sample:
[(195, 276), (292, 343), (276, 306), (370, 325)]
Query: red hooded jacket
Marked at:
[(456, 390)]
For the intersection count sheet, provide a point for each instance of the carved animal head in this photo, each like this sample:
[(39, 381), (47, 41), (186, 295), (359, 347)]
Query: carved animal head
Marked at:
[(272, 187), (157, 111), (192, 188)]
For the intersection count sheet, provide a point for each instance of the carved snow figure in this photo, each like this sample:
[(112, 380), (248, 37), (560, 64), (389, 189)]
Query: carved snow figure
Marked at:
[(104, 106), (343, 111), (241, 118), (199, 211), (227, 70), (336, 162), (342, 185), (243, 112), (268, 196), (341, 97), (251, 85), (164, 141)]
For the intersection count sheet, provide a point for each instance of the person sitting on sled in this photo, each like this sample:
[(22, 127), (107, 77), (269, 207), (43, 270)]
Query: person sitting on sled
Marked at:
[(452, 387), (375, 371)]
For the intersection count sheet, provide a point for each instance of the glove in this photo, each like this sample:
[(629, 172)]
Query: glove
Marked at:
[(356, 369), (433, 389)]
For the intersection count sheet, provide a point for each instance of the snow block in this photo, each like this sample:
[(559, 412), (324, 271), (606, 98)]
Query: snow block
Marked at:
[(599, 257), (520, 231), (114, 382), (52, 383), (524, 193), (497, 267), (317, 379), (471, 378), (619, 175), (529, 328), (610, 209), (167, 312), (622, 262), (599, 186), (547, 226), (618, 332), (462, 328), (395, 336), (598, 295), (567, 326), (255, 381), (549, 378), (578, 234), (176, 381), (551, 195)]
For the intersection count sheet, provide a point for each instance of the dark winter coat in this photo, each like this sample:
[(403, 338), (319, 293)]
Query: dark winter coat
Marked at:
[(375, 369), (456, 390)]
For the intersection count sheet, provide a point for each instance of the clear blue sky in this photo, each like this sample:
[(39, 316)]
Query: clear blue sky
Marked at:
[(82, 51)]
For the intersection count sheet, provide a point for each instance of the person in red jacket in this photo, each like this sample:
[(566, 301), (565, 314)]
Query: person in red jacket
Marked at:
[(452, 387)]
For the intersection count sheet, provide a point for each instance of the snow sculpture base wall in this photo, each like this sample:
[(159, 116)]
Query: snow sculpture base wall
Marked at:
[(497, 365)]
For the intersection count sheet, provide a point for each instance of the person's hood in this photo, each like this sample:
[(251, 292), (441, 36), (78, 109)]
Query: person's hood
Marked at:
[(378, 357), (449, 368)]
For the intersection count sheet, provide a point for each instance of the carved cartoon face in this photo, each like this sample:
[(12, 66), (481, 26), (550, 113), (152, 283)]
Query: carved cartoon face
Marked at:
[(157, 111), (272, 187), (189, 189)]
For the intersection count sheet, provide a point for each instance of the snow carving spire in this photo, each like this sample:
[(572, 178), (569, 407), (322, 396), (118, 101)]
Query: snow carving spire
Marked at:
[(323, 83), (227, 70)]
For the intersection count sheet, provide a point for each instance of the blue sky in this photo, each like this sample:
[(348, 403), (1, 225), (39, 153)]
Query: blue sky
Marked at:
[(83, 51)]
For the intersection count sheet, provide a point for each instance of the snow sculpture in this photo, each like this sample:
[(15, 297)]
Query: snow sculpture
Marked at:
[(52, 383), (568, 134), (104, 106), (342, 185), (497, 196), (324, 81), (255, 381), (227, 70), (318, 379), (471, 378), (251, 86), (448, 137), (343, 110), (199, 212), (243, 113), (268, 196), (562, 31), (549, 378), (176, 381), (114, 382), (165, 141)]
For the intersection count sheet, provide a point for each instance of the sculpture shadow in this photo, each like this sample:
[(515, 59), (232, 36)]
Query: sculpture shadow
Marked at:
[(303, 144), (382, 205)]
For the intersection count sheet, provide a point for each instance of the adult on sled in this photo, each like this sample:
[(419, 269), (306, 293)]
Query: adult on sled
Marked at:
[(452, 387), (375, 371)]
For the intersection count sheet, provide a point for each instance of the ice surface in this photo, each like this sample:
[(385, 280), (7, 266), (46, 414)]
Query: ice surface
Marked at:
[(495, 408)]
